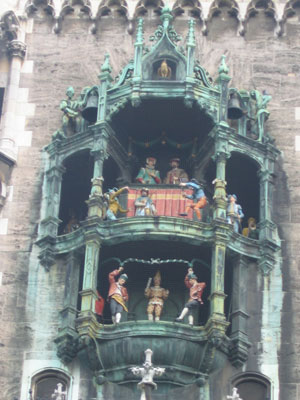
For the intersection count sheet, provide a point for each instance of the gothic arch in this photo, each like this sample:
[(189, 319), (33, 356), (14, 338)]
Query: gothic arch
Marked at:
[(113, 7), (188, 8), (252, 386), (144, 6), (46, 381)]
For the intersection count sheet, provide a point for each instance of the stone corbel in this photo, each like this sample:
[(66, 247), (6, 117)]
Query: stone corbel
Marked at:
[(16, 48)]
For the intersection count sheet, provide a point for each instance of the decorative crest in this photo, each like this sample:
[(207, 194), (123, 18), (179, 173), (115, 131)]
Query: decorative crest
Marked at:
[(166, 28), (147, 372)]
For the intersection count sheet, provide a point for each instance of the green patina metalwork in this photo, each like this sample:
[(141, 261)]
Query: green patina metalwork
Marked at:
[(191, 84)]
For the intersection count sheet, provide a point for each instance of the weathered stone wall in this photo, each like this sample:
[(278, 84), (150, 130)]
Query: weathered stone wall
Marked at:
[(31, 296)]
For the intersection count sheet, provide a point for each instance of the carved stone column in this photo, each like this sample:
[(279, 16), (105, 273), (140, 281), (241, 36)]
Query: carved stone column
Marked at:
[(223, 80), (87, 320), (217, 320), (50, 222), (239, 317), (66, 340), (16, 50)]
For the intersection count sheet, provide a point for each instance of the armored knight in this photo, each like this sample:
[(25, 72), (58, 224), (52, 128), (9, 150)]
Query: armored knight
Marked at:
[(156, 295), (71, 117)]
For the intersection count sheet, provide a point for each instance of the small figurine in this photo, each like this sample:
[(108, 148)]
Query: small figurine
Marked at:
[(164, 71), (156, 295), (176, 174), (117, 294), (144, 205), (72, 224), (149, 175), (234, 213), (198, 197), (113, 203), (251, 231), (196, 290), (262, 113), (69, 107)]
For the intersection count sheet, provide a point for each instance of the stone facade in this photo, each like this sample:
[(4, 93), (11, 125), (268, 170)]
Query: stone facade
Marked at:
[(66, 46)]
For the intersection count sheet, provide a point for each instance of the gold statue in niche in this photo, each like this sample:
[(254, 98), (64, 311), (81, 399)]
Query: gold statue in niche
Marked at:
[(164, 71)]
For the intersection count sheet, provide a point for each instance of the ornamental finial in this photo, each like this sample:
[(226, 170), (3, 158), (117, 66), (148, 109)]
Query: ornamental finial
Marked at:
[(191, 34), (235, 395), (147, 372), (223, 69), (106, 67), (166, 17), (140, 32)]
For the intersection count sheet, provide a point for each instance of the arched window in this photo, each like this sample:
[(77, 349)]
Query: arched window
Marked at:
[(50, 385), (253, 386)]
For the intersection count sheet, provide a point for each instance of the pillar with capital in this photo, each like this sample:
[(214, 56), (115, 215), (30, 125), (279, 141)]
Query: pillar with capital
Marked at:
[(17, 51)]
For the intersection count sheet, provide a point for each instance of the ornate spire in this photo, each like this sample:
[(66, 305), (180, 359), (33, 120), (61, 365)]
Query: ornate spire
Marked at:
[(166, 17), (140, 32), (191, 34)]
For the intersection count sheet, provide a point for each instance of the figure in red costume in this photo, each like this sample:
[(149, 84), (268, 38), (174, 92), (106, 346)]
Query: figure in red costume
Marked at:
[(196, 290), (117, 295)]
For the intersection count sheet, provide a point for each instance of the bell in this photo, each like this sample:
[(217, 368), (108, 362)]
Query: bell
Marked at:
[(234, 110), (90, 111)]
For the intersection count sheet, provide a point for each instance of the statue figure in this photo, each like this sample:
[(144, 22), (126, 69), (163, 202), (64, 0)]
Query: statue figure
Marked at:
[(176, 174), (198, 198), (196, 290), (144, 205), (113, 203), (70, 119), (149, 175), (262, 113), (251, 231), (72, 224), (234, 213), (164, 71), (156, 295), (117, 294)]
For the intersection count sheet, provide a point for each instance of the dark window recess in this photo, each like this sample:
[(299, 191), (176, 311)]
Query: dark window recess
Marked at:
[(49, 385)]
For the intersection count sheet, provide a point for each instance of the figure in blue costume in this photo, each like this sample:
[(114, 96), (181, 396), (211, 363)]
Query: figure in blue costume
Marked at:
[(198, 198), (234, 213), (149, 175)]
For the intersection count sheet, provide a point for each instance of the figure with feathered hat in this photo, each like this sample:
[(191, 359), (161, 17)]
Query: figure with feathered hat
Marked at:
[(117, 294), (196, 290), (156, 295), (234, 213), (144, 205), (113, 203), (148, 175), (176, 174), (198, 198)]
